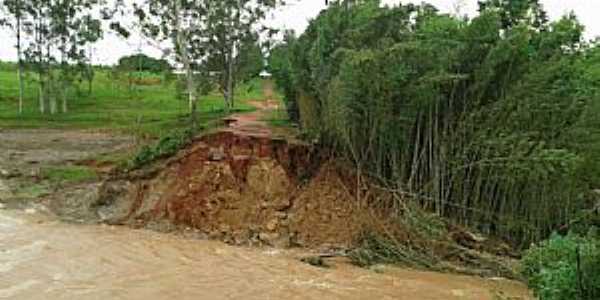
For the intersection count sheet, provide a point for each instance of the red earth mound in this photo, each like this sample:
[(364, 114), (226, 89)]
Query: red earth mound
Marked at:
[(240, 189)]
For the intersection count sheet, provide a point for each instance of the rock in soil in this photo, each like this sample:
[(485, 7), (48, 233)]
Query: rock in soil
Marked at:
[(316, 261)]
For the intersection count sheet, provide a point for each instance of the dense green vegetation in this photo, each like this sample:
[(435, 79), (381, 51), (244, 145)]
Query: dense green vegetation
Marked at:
[(152, 109), (564, 268), (490, 121), (487, 121)]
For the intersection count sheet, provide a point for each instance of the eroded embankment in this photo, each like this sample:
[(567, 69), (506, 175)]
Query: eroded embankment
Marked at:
[(241, 189)]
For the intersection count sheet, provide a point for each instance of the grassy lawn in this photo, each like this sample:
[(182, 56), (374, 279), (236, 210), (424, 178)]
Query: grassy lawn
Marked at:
[(150, 110)]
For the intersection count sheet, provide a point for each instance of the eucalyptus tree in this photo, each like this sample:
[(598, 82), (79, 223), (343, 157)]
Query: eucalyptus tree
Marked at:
[(75, 27), (179, 25), (514, 12), (250, 61), (281, 68), (58, 33), (38, 51), (17, 19), (229, 25)]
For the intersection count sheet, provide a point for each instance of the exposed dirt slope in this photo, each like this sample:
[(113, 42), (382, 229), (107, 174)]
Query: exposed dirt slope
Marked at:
[(241, 189)]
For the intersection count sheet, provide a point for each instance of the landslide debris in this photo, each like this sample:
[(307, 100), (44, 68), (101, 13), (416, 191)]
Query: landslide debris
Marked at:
[(241, 189)]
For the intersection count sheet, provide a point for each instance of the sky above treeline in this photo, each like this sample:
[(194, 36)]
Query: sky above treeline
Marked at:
[(297, 13)]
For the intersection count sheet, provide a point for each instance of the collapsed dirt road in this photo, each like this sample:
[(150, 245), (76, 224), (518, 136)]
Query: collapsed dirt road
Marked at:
[(255, 123), (43, 258)]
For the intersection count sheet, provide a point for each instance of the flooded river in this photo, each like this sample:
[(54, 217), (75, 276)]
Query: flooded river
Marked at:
[(46, 259)]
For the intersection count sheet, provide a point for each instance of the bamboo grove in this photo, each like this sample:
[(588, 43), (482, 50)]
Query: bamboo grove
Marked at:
[(484, 120)]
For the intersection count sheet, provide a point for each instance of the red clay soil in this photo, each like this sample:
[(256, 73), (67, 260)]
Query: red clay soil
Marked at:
[(241, 189), (253, 124), (249, 124)]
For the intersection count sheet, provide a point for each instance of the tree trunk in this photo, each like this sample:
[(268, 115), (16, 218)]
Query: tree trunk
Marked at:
[(20, 61), (65, 94), (90, 70), (65, 106), (21, 87), (50, 84), (230, 66), (185, 59), (41, 97), (53, 104), (229, 102), (64, 66), (40, 69)]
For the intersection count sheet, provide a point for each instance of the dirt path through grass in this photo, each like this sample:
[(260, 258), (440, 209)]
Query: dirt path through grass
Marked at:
[(256, 123)]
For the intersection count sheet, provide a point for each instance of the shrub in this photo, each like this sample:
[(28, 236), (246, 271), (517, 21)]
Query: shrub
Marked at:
[(144, 63), (564, 268), (168, 145), (375, 248)]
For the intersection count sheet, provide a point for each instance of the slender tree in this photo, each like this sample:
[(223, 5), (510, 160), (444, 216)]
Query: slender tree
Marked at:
[(75, 28), (17, 9), (58, 34), (179, 24), (229, 24)]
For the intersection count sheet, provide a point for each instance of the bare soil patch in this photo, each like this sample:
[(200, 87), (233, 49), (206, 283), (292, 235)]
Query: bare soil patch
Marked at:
[(239, 188), (26, 154)]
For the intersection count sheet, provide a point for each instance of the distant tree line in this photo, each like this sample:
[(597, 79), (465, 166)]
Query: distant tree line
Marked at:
[(144, 63), (55, 39)]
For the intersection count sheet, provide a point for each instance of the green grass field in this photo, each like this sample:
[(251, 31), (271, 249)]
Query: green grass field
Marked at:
[(71, 174), (148, 110)]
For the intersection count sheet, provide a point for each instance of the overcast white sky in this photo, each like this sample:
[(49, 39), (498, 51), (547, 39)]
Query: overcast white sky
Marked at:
[(297, 14)]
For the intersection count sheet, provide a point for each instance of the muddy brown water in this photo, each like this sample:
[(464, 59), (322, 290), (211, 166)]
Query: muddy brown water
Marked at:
[(45, 259)]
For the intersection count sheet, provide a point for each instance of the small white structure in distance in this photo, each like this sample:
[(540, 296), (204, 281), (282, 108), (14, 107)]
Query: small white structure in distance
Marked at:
[(182, 72), (265, 75)]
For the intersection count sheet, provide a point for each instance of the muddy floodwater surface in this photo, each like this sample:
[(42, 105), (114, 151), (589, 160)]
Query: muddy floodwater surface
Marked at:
[(45, 259)]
